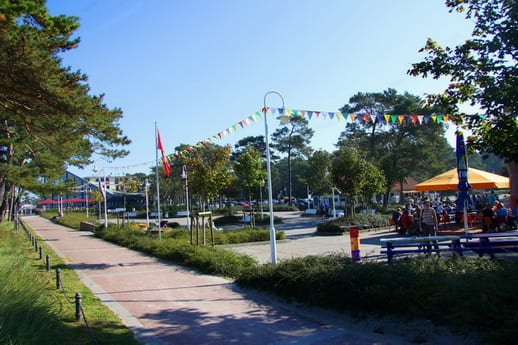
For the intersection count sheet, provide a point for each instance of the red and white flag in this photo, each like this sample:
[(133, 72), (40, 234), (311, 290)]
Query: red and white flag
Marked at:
[(160, 147)]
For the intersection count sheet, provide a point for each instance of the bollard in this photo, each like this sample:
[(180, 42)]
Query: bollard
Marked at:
[(41, 253), (354, 233), (78, 306), (36, 245), (58, 278), (48, 263)]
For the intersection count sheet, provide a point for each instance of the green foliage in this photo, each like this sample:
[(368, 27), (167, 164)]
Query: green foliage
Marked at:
[(49, 118), (315, 174), (175, 246), (370, 220), (353, 175), (482, 72), (461, 293), (33, 312)]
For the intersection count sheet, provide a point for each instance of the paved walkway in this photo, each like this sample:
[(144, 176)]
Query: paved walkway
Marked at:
[(166, 304)]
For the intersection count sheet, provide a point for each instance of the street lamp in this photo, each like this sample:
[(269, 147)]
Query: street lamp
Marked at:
[(184, 176), (284, 119), (261, 197), (105, 196)]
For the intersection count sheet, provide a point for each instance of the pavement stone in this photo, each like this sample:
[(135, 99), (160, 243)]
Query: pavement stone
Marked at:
[(167, 304)]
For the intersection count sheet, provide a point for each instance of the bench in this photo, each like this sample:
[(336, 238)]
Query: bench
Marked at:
[(87, 226), (182, 213), (310, 212), (491, 243), (422, 244)]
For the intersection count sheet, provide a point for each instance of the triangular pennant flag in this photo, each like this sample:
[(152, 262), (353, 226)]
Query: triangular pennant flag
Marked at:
[(439, 119), (331, 115), (338, 116), (414, 119), (310, 114), (393, 118), (241, 124), (259, 114), (434, 118), (401, 118), (295, 113), (288, 112), (426, 118), (446, 118), (273, 111), (280, 110), (317, 113), (387, 118), (345, 115), (265, 109), (303, 113), (380, 118), (324, 114), (366, 117), (420, 119), (353, 116)]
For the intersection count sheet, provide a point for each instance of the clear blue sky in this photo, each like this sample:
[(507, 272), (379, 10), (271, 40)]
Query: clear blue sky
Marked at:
[(198, 67)]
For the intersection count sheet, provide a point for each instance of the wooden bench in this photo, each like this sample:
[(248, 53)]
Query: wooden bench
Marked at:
[(422, 244)]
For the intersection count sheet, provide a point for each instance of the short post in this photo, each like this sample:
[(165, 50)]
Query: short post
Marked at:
[(36, 245), (78, 306), (354, 234), (58, 278), (48, 262), (41, 253)]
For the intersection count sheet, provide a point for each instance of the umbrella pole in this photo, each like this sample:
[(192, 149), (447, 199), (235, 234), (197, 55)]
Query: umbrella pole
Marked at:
[(466, 231)]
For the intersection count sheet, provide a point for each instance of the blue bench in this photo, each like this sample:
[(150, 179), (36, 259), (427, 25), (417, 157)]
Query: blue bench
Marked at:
[(422, 244), (481, 244), (491, 243)]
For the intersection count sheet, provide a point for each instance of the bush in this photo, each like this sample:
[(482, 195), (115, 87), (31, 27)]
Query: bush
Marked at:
[(370, 220), (461, 293), (175, 246)]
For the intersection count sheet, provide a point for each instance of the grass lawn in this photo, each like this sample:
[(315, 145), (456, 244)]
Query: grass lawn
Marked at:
[(33, 311)]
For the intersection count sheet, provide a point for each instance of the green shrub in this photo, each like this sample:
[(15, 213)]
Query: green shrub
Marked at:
[(370, 220), (461, 293), (175, 245)]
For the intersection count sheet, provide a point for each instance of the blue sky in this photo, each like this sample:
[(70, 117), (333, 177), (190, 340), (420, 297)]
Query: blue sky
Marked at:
[(197, 67)]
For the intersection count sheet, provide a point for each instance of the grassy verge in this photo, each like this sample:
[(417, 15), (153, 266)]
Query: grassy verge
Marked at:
[(463, 294), (32, 311)]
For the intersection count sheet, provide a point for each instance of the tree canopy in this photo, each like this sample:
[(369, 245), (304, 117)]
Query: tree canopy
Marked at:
[(483, 71), (49, 119)]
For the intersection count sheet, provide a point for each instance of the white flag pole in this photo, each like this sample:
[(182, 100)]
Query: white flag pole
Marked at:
[(157, 183)]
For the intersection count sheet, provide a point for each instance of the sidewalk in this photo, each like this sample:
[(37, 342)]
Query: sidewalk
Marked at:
[(166, 304)]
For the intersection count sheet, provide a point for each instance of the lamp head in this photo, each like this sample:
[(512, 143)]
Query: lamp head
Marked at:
[(184, 173), (284, 118)]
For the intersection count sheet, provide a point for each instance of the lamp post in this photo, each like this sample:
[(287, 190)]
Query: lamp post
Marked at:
[(105, 196), (284, 119), (184, 176), (146, 187), (261, 197)]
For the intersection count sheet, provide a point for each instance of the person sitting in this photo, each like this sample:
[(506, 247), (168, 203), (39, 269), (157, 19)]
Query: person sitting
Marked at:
[(501, 216), (488, 218), (408, 226), (396, 219)]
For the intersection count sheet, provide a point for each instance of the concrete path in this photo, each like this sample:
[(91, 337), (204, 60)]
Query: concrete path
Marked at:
[(166, 304)]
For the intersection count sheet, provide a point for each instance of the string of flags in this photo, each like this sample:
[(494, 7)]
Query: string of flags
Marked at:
[(309, 114)]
